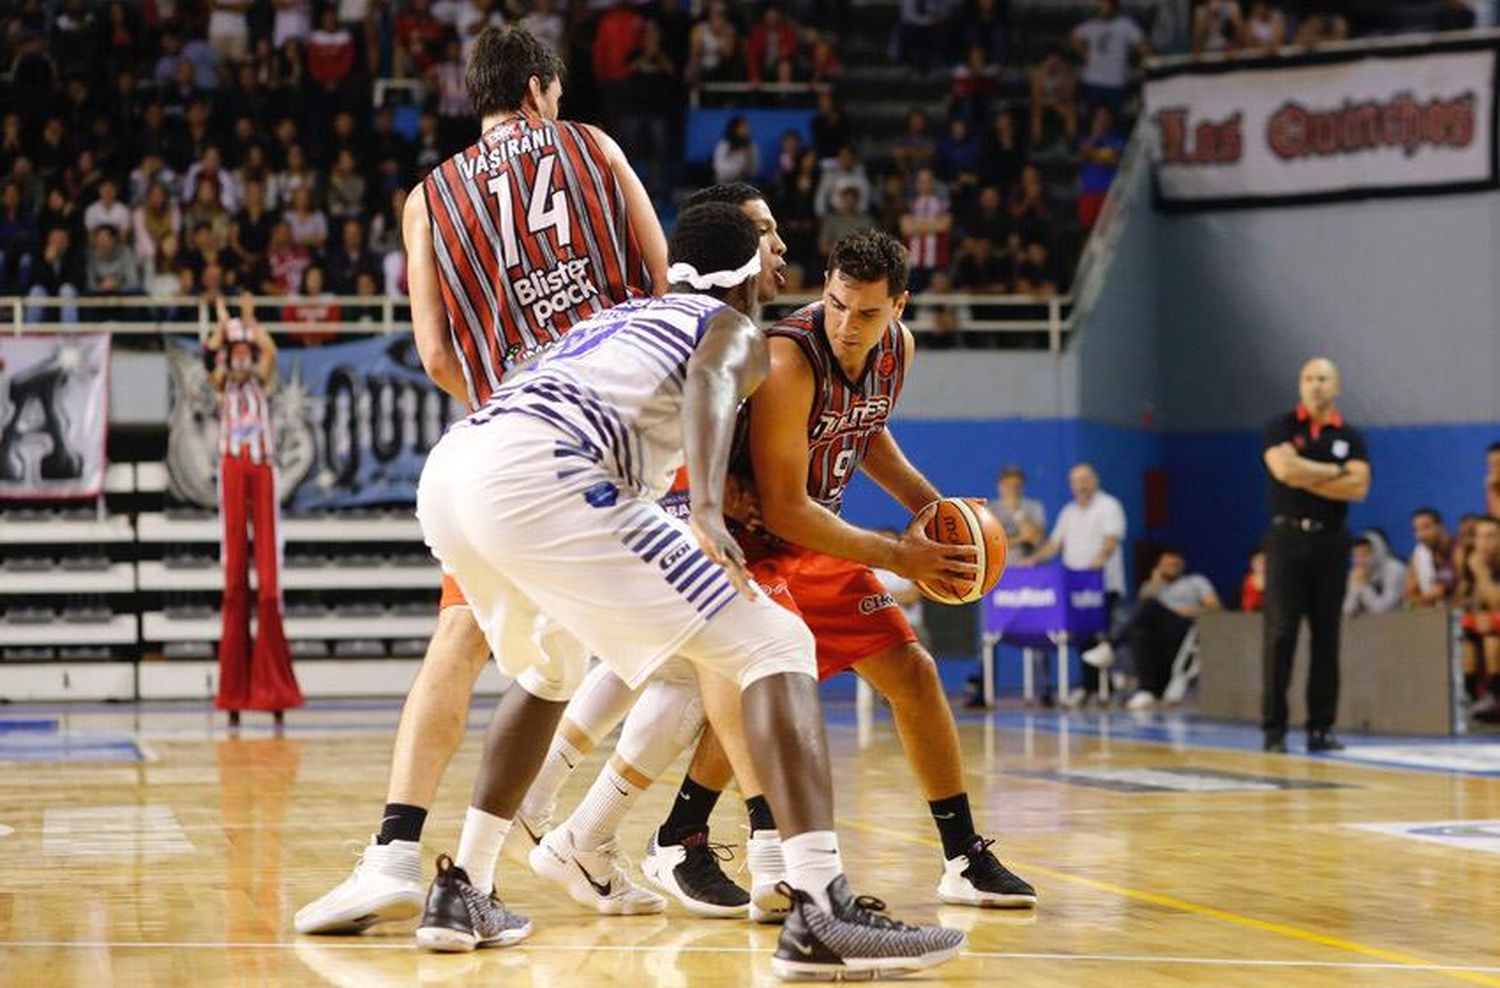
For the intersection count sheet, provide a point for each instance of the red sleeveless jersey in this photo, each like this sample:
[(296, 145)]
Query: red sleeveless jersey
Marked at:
[(845, 415), (532, 236)]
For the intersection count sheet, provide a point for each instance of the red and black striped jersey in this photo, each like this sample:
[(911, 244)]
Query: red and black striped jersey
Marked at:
[(845, 415), (532, 236)]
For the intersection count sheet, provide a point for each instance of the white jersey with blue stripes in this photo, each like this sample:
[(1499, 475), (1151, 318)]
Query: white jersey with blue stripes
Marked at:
[(613, 388)]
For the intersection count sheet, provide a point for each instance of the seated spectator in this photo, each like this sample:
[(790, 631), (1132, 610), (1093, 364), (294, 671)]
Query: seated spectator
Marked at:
[(736, 158), (250, 232), (316, 304), (787, 155), (56, 273), (980, 267), (1029, 213), (916, 148), (112, 268), (1456, 15), (919, 34), (1023, 518), (164, 276), (824, 64), (229, 28), (1492, 480), (207, 208), (18, 239), (1105, 44), (1479, 594), (385, 227), (1169, 604), (255, 167), (545, 24), (107, 210), (417, 37), (890, 205), (713, 47), (297, 174), (349, 259), (206, 248), (1431, 580), (845, 218), (153, 221), (152, 170), (1100, 155), (1324, 24), (1004, 152), (308, 224), (59, 211), (843, 172), (1253, 587), (330, 51), (959, 158), (1034, 272), (927, 225), (346, 188), (1218, 27), (1463, 545), (1376, 578), (430, 150), (796, 213), (987, 218), (286, 260), (975, 86), (447, 79), (830, 133), (1265, 28), (772, 41)]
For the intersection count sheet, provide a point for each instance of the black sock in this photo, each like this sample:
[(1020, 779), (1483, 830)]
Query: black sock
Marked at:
[(760, 814), (955, 823), (401, 822), (690, 812)]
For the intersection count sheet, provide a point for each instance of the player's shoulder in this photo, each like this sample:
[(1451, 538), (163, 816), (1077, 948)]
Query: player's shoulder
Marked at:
[(807, 319)]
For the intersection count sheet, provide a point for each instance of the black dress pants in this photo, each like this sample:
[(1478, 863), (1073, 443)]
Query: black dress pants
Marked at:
[(1305, 576)]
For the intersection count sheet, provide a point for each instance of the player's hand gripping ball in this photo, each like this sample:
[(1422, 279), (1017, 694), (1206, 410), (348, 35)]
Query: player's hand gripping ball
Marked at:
[(966, 521)]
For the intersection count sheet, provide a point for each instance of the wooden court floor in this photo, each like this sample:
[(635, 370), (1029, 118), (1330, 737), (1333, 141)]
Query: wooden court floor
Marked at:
[(1160, 860)]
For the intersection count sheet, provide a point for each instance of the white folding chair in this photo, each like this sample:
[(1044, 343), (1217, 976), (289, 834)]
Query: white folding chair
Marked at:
[(1184, 667)]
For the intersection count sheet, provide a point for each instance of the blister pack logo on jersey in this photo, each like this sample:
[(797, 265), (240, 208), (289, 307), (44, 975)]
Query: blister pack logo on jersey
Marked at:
[(876, 602)]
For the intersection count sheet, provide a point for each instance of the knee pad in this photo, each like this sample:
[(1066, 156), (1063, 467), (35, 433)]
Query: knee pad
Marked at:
[(667, 718), (601, 702)]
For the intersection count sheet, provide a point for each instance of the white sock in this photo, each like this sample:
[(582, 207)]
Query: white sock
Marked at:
[(479, 847), (597, 818), (812, 861), (541, 798)]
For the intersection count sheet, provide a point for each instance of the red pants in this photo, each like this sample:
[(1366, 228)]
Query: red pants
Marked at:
[(258, 678)]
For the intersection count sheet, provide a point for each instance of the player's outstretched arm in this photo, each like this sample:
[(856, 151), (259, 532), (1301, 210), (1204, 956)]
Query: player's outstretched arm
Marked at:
[(728, 364), (644, 222), (429, 320)]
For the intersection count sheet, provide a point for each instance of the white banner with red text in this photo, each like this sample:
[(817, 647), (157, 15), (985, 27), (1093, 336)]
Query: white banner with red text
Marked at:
[(54, 406), (1323, 126)]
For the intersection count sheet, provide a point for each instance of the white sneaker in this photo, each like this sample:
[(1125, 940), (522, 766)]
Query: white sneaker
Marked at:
[(386, 886), (593, 879), (1143, 700), (525, 836), (1101, 656), (767, 870), (1484, 704), (1078, 697)]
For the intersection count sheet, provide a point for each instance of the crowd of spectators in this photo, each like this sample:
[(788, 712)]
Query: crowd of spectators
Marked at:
[(1256, 27)]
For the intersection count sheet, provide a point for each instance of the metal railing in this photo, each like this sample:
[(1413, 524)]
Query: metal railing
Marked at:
[(378, 314), (747, 88)]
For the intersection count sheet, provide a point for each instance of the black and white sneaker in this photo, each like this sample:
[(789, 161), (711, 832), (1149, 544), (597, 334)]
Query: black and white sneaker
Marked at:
[(689, 872), (854, 941), (977, 878), (459, 918)]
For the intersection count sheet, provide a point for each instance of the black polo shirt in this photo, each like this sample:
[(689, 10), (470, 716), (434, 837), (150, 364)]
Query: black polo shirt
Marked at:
[(1335, 441)]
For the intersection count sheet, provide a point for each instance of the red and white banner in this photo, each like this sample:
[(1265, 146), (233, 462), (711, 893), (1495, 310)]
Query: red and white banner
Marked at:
[(1323, 126), (54, 404)]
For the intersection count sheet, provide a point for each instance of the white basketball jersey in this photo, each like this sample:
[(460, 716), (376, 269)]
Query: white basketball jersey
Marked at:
[(613, 386)]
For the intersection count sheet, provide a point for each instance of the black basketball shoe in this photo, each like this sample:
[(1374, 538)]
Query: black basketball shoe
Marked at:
[(854, 940), (977, 878), (689, 872), (459, 917)]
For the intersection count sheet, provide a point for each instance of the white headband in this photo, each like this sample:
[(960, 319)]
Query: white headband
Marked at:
[(687, 274)]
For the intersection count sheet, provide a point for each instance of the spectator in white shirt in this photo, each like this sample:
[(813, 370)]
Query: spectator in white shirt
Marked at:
[(107, 210), (736, 158), (1169, 604), (1432, 577), (844, 171), (1089, 534), (1105, 43), (1376, 578), (1023, 518)]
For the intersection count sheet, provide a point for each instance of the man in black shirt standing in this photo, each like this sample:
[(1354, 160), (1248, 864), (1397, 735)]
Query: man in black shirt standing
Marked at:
[(1317, 464)]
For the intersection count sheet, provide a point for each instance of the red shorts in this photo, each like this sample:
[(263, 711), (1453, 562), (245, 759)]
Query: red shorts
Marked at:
[(846, 607), (452, 596)]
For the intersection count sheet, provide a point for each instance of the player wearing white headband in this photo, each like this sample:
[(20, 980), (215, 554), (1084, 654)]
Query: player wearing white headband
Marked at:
[(544, 502)]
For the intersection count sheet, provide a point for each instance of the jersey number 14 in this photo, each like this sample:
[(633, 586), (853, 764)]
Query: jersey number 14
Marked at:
[(545, 209)]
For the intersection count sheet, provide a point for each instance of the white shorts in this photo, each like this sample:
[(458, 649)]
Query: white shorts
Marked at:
[(619, 574)]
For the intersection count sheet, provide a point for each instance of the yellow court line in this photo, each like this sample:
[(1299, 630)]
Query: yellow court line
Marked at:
[(1212, 912)]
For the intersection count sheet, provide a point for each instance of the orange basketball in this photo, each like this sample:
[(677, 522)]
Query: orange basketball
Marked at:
[(960, 522)]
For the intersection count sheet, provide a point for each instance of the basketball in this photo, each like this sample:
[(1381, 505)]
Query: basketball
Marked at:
[(960, 522)]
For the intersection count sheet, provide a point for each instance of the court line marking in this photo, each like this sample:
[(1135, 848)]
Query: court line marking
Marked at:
[(1395, 957), (344, 944)]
